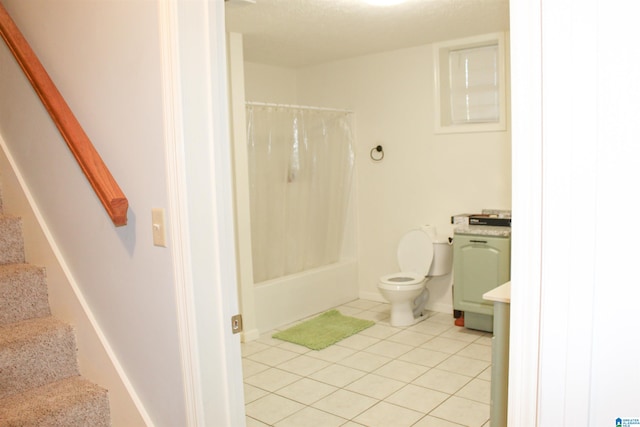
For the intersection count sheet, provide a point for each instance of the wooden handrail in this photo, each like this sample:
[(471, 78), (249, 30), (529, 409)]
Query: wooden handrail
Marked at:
[(103, 183)]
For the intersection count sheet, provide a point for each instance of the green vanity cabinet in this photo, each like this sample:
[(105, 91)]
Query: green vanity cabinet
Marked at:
[(501, 299), (481, 262)]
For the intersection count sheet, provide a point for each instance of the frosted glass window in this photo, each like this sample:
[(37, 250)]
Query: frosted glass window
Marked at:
[(474, 85), (470, 84)]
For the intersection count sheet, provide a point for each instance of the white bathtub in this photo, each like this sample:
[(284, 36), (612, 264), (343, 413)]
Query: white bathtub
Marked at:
[(287, 299)]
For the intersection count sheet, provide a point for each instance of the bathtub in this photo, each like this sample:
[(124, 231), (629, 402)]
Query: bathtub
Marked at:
[(290, 298)]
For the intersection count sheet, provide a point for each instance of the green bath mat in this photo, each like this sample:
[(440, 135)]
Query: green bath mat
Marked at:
[(324, 330)]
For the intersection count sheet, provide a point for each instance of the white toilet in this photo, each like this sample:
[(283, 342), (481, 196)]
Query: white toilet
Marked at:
[(421, 254)]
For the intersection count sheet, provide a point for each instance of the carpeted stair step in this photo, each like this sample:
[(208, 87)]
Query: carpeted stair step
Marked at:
[(23, 293), (11, 244), (35, 352), (72, 402), (39, 376)]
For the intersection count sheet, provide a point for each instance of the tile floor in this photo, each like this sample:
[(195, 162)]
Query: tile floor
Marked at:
[(432, 374)]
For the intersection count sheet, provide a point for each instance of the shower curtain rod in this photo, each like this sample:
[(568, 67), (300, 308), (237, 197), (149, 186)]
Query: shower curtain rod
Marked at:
[(302, 107)]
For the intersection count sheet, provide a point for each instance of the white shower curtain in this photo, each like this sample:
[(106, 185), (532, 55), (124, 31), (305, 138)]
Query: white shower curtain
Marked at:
[(300, 167)]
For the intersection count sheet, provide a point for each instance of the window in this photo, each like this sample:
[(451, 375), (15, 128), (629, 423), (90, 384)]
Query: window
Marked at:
[(470, 85)]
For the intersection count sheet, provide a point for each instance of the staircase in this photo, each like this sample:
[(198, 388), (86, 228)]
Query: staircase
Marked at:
[(40, 383)]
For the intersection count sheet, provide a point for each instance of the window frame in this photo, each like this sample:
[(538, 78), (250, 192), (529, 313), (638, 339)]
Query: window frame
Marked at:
[(442, 83)]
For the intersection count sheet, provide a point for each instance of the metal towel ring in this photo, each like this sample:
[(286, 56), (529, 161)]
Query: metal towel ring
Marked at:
[(377, 153)]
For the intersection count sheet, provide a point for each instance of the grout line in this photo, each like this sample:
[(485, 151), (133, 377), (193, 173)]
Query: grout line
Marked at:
[(434, 330)]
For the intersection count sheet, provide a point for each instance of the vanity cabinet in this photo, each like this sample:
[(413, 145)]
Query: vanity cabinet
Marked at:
[(501, 299), (481, 262)]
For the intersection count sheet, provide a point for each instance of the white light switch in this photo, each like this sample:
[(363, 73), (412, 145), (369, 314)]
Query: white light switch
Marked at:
[(158, 227)]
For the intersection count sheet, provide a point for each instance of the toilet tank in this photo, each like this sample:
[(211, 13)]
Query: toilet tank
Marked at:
[(442, 257)]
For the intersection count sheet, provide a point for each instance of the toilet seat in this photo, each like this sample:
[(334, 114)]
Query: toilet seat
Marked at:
[(402, 281), (415, 253)]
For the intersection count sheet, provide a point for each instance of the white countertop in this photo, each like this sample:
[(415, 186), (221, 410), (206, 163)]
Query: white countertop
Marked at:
[(500, 294), (483, 230)]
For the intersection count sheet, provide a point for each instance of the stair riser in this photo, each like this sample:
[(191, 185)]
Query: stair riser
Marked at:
[(93, 414), (39, 376), (37, 360), (70, 402), (23, 293), (11, 244)]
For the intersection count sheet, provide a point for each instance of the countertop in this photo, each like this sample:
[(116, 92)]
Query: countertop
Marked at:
[(500, 294), (483, 230)]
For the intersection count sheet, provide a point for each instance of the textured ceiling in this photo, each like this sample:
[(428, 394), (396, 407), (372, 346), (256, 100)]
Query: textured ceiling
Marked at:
[(296, 33)]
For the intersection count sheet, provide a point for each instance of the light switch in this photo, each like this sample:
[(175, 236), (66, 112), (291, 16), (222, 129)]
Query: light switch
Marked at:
[(158, 227)]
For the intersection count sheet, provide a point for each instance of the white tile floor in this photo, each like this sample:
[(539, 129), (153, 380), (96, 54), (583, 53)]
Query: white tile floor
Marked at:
[(432, 374)]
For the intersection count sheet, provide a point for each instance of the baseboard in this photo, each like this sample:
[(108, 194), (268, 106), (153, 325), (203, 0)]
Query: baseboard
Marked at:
[(438, 306), (250, 335), (371, 296)]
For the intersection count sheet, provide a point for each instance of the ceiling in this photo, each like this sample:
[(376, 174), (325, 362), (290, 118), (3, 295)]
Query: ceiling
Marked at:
[(298, 33)]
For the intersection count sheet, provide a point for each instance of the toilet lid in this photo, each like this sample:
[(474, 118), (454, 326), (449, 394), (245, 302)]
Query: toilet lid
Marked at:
[(415, 252)]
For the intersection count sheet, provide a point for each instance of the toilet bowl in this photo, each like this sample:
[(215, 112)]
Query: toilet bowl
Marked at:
[(421, 254)]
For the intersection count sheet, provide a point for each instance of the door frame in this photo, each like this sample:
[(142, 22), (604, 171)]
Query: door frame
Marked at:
[(199, 182)]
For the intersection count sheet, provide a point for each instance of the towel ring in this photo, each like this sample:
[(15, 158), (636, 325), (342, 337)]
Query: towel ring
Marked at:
[(377, 153)]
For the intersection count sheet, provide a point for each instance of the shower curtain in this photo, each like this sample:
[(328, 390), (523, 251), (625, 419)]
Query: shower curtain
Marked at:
[(300, 168)]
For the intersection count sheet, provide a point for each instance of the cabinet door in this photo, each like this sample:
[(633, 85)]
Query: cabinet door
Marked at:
[(480, 264)]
